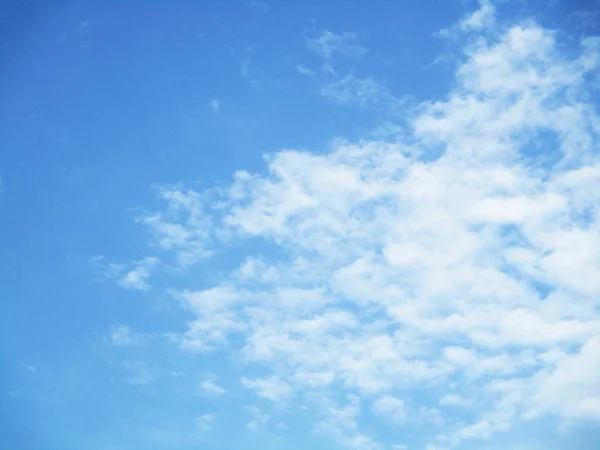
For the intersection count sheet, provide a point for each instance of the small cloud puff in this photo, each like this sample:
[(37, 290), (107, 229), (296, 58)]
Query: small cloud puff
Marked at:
[(210, 387), (205, 422), (329, 46)]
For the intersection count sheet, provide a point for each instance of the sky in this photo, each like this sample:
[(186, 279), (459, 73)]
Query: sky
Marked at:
[(289, 225)]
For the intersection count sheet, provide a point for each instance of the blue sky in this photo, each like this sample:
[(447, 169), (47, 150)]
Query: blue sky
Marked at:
[(290, 225)]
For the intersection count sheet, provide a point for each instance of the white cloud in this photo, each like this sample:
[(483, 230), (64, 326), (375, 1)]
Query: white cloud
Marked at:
[(215, 105), (458, 254), (183, 228), (270, 388), (210, 387), (346, 88), (123, 336), (259, 418), (138, 373), (329, 46), (304, 70), (340, 422), (205, 422), (130, 276), (484, 17), (391, 408), (137, 278), (478, 21), (361, 91), (454, 400), (214, 319), (574, 377), (585, 19)]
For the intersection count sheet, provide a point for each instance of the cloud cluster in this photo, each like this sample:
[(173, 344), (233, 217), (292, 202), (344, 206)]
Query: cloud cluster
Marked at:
[(464, 261)]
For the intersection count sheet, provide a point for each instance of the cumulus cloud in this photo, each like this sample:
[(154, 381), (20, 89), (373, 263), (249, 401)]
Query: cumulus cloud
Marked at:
[(466, 255)]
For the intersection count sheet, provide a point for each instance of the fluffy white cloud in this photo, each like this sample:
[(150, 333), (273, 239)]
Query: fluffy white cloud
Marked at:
[(467, 254)]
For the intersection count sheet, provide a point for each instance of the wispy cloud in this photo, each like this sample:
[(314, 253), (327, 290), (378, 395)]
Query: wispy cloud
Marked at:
[(137, 278), (210, 387), (365, 92), (124, 336), (330, 46), (261, 6), (340, 422), (259, 418), (184, 227), (130, 276), (138, 373), (304, 70), (205, 422), (31, 368), (270, 388), (14, 393), (483, 18), (343, 86), (585, 20), (391, 408)]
